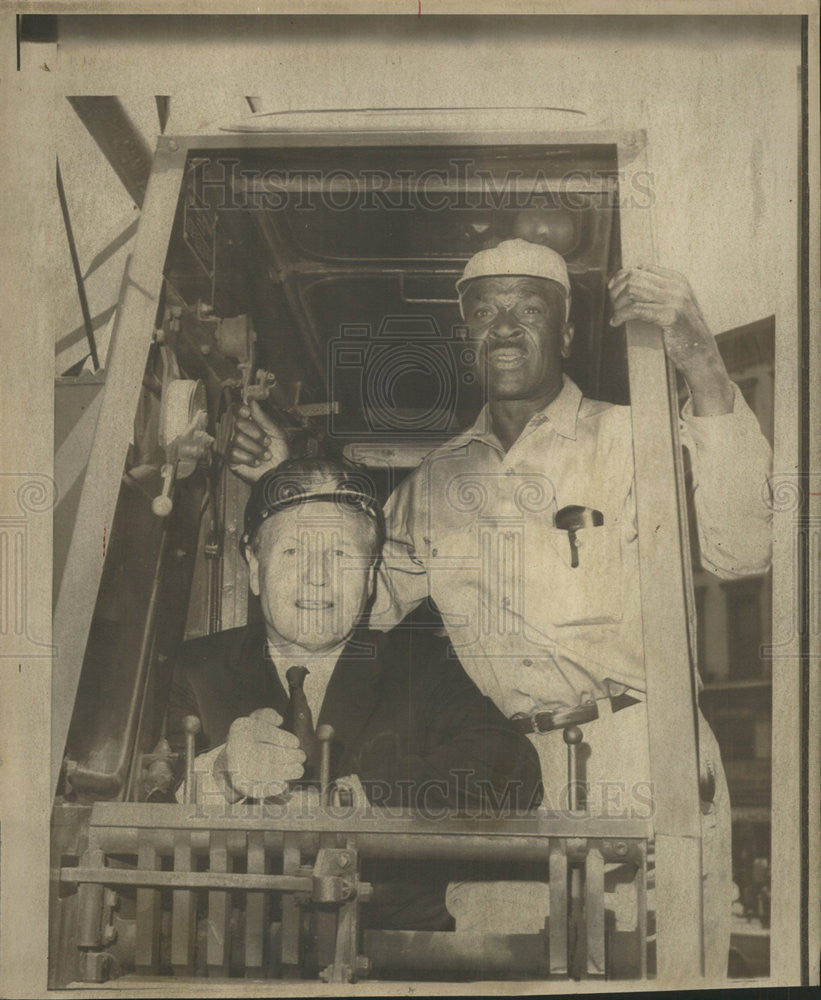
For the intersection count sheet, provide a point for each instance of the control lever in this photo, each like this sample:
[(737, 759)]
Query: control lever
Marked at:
[(572, 737), (162, 505), (324, 735), (182, 435), (192, 725)]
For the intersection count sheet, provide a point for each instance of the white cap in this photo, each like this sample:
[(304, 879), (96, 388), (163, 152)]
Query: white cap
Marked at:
[(518, 257)]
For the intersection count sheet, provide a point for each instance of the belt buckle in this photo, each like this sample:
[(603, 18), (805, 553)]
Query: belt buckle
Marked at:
[(535, 723), (577, 715)]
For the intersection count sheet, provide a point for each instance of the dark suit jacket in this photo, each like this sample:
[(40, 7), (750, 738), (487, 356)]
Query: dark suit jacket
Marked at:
[(408, 721), (407, 718)]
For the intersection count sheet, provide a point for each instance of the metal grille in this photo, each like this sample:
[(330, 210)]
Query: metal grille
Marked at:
[(187, 891)]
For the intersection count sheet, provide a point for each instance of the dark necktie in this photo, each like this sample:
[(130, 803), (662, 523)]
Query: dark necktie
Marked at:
[(298, 719)]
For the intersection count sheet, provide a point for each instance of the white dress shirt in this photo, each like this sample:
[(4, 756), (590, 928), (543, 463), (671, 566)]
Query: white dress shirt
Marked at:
[(320, 667)]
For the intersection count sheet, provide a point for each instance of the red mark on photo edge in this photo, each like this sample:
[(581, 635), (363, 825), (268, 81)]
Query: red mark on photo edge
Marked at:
[(420, 8), (104, 540)]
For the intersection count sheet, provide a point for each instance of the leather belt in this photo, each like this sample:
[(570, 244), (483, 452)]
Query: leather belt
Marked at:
[(560, 718)]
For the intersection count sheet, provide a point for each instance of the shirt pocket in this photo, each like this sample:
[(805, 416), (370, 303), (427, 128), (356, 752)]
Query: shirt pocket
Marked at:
[(556, 593)]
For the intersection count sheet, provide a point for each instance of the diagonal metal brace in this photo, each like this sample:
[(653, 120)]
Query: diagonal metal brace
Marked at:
[(335, 881)]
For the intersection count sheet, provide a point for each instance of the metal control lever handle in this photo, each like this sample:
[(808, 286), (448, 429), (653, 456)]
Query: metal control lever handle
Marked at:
[(572, 737), (324, 735), (192, 725), (162, 505)]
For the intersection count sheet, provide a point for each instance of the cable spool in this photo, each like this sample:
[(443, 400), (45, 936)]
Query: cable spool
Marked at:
[(181, 434), (183, 400)]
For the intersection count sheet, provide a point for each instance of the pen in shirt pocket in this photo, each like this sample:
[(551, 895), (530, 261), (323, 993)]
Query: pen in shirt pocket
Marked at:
[(573, 517)]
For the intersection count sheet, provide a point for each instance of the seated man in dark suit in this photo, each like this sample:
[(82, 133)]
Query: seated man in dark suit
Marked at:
[(407, 721)]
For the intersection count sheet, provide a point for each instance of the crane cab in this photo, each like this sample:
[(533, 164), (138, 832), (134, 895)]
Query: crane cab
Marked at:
[(310, 270)]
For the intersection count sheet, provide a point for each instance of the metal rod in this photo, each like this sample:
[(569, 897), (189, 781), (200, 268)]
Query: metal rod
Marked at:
[(78, 274), (192, 725), (382, 843), (106, 817), (572, 737), (324, 735), (135, 771), (187, 879)]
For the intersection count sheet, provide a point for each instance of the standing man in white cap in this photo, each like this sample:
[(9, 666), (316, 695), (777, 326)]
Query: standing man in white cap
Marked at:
[(546, 620), (522, 530)]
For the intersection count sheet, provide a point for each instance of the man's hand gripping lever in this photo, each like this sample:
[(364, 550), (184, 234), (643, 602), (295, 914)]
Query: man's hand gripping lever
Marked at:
[(257, 444), (262, 759), (259, 758)]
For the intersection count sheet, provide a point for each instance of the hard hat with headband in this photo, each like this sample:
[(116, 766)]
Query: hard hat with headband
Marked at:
[(300, 481)]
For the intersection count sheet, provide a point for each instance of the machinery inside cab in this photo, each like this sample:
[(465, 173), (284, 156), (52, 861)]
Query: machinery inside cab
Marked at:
[(318, 280)]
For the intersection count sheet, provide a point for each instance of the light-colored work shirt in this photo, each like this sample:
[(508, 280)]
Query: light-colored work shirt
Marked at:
[(473, 527)]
